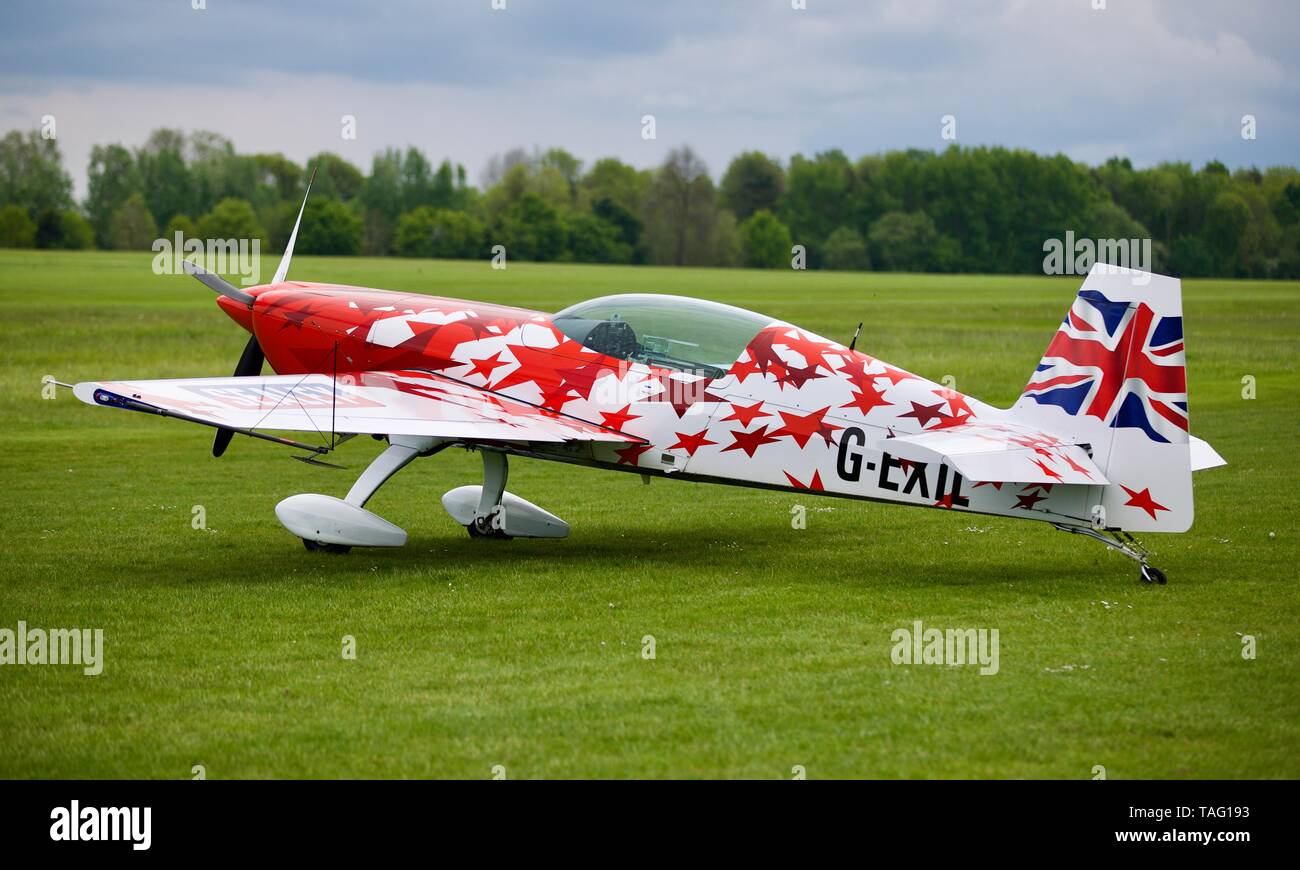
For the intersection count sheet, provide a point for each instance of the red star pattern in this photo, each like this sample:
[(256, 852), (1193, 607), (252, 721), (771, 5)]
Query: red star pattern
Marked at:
[(750, 441), (746, 413), (618, 419), (1076, 466), (924, 413), (801, 427), (951, 421), (1048, 471), (691, 443), (743, 369), (895, 375), (957, 405), (814, 484), (868, 397), (813, 352), (1027, 500), (486, 366), (631, 454), (1143, 500), (796, 377)]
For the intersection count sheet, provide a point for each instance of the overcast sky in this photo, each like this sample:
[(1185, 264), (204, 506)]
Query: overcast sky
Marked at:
[(1151, 80)]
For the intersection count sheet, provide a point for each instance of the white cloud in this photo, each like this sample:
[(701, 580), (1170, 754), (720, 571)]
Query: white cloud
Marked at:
[(1151, 81)]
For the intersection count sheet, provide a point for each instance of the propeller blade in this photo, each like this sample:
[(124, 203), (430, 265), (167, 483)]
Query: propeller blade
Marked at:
[(250, 361), (217, 283), (250, 364), (282, 271)]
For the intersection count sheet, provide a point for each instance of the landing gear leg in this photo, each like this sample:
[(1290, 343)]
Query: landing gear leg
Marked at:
[(331, 525), (489, 517), (401, 450), (1124, 543)]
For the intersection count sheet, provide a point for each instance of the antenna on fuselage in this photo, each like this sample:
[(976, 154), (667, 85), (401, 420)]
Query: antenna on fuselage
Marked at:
[(856, 333)]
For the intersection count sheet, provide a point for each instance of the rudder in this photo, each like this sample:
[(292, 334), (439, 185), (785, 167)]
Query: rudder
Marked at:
[(1114, 377)]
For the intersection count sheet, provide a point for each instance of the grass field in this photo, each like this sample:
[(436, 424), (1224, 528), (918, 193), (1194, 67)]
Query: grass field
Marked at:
[(772, 644)]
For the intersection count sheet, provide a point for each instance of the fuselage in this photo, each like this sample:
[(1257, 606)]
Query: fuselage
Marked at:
[(789, 409)]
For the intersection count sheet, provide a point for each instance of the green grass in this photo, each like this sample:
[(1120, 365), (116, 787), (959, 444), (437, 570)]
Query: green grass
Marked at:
[(223, 646)]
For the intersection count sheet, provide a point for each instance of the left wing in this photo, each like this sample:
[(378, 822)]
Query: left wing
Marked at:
[(995, 452), (365, 403)]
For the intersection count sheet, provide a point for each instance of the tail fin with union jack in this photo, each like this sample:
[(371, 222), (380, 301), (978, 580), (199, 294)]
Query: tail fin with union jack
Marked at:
[(1114, 377)]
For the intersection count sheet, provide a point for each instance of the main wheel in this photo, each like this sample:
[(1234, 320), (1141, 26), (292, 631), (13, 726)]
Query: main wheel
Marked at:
[(1152, 574), (322, 547), (482, 528)]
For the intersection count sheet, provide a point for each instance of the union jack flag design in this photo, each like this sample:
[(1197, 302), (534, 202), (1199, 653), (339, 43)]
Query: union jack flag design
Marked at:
[(1119, 362)]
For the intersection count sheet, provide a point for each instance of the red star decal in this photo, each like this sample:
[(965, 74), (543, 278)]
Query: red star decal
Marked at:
[(540, 367), (996, 484), (868, 398), (1048, 471), (750, 441), (814, 484), (618, 419), (746, 413), (894, 375), (631, 455), (691, 443), (479, 325), (485, 367), (761, 352), (682, 394), (801, 427), (1143, 500), (557, 397), (1076, 466), (582, 379), (924, 413), (742, 369), (855, 370), (797, 377), (813, 352), (1027, 500), (948, 422), (956, 401)]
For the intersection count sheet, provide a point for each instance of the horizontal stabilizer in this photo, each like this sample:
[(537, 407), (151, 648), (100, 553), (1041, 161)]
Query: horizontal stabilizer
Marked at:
[(993, 453), (1204, 456)]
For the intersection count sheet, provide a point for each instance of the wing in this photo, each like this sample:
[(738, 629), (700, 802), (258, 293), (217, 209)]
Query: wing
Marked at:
[(366, 403), (991, 452)]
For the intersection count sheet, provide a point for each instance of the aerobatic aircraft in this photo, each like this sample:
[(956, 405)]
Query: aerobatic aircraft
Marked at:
[(666, 386)]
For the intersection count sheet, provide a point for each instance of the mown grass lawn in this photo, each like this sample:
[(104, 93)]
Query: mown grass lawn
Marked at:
[(223, 646)]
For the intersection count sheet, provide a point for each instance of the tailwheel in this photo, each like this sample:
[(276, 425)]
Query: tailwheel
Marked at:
[(1151, 574), (1121, 542), (322, 547)]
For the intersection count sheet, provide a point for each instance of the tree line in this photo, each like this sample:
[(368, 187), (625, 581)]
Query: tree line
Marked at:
[(980, 209)]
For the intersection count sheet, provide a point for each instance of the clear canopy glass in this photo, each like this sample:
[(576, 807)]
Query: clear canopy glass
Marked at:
[(690, 335)]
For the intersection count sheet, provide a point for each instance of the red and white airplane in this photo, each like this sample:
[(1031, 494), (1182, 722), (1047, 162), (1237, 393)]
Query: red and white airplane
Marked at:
[(667, 386)]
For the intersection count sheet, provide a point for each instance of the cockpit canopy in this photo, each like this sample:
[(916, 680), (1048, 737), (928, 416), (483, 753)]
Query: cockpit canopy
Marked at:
[(676, 332)]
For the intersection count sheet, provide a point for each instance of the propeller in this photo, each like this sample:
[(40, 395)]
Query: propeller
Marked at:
[(250, 364), (215, 282), (251, 360)]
